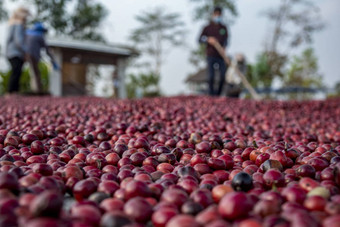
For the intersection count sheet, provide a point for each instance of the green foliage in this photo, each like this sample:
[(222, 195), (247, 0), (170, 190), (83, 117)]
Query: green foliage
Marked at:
[(25, 79), (86, 20), (52, 13), (277, 63), (4, 80), (157, 30), (148, 84), (293, 23), (82, 22), (258, 74), (303, 71), (204, 8)]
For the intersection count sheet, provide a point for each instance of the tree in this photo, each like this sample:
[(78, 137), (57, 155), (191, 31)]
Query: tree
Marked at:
[(158, 33), (83, 22), (303, 71), (148, 83), (293, 24), (52, 13), (86, 20), (258, 74), (205, 7)]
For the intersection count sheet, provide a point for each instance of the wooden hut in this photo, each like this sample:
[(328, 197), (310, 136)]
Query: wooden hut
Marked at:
[(74, 57)]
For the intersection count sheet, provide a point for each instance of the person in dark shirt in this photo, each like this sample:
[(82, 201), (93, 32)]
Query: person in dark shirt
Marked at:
[(214, 32), (35, 42)]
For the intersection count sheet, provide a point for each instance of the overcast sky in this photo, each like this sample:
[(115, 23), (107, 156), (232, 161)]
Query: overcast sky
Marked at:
[(247, 35)]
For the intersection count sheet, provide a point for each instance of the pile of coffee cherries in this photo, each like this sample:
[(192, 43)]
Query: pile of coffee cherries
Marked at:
[(174, 162)]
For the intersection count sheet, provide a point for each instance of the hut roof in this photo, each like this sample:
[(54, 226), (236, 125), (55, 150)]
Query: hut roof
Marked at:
[(199, 77), (92, 46)]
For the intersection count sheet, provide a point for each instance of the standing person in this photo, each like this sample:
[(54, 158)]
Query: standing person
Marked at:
[(214, 32), (15, 46), (116, 84), (35, 42)]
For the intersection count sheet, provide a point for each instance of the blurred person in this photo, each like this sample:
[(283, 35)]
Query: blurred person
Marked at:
[(214, 32), (15, 46), (116, 84), (35, 42)]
